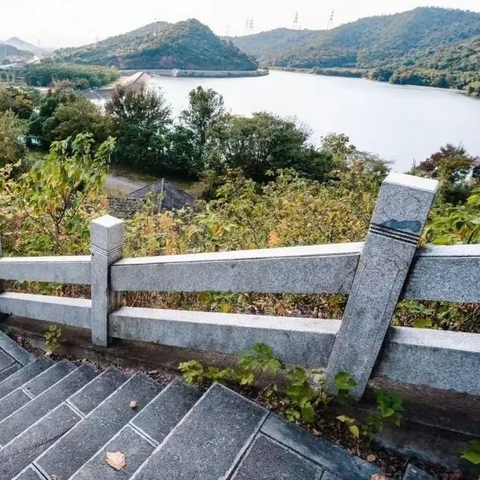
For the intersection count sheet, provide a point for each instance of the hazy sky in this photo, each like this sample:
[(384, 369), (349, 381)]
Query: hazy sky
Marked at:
[(59, 23)]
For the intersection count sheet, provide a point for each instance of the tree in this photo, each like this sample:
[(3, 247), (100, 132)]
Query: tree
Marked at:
[(51, 204), (75, 117), (12, 145), (64, 113), (22, 102), (265, 143), (142, 121), (451, 166), (205, 111)]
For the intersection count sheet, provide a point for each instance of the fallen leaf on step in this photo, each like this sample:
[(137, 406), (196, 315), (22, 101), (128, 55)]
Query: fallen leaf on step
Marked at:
[(133, 405), (371, 458), (377, 476), (116, 460)]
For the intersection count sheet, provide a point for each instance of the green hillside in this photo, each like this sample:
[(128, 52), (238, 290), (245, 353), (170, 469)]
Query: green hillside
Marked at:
[(188, 45), (419, 46)]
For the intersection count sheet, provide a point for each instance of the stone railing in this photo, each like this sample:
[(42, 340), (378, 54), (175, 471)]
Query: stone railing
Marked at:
[(374, 274)]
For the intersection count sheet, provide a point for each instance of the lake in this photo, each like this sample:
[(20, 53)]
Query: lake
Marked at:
[(402, 124)]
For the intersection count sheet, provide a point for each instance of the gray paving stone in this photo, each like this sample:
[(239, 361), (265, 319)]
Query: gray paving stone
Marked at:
[(24, 375), (49, 377), (5, 360), (10, 370), (414, 473), (73, 450), (268, 460), (332, 476), (13, 349), (29, 474), (135, 448), (207, 443), (162, 415), (318, 450), (97, 391), (30, 413), (19, 453), (17, 399)]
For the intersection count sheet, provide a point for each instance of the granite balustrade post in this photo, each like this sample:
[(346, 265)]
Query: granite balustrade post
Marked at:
[(107, 248), (402, 209)]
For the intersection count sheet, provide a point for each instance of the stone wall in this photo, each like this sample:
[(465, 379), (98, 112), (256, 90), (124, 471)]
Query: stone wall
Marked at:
[(124, 207), (202, 73)]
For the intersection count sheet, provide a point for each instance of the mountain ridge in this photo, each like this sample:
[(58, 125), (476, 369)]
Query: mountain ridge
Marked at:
[(366, 43), (187, 45)]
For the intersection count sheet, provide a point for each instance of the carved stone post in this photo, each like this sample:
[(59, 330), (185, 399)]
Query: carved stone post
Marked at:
[(402, 208), (107, 248)]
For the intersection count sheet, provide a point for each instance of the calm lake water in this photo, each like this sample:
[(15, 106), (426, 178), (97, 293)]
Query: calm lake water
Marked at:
[(400, 123)]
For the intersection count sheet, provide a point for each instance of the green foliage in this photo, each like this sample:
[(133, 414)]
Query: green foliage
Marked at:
[(187, 45), (255, 362), (52, 338), (48, 203), (205, 112), (472, 452), (344, 385), (141, 122), (456, 224), (389, 406), (192, 371), (20, 101), (300, 400), (300, 396), (64, 113), (264, 143), (350, 422), (12, 145), (81, 77)]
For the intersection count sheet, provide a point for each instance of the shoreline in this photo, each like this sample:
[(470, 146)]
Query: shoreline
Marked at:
[(177, 73), (309, 71)]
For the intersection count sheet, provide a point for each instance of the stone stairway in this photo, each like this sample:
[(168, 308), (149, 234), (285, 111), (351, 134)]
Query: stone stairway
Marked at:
[(58, 421)]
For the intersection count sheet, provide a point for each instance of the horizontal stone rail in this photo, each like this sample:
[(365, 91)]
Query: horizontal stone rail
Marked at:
[(314, 269), (75, 312), (450, 273), (297, 340), (375, 275), (438, 359), (75, 270)]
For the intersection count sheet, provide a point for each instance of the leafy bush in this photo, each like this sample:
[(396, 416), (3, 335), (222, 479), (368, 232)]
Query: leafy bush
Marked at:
[(82, 77)]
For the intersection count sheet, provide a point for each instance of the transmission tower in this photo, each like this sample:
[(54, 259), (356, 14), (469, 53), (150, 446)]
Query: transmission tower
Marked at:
[(295, 21), (249, 25), (330, 20)]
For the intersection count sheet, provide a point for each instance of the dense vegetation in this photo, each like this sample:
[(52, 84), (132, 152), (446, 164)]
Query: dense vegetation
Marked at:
[(187, 45), (264, 184), (426, 46), (81, 77)]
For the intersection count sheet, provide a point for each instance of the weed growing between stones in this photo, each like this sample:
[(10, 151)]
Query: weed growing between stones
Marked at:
[(298, 400)]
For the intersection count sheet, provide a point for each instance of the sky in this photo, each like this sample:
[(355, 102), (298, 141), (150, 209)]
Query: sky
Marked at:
[(68, 23)]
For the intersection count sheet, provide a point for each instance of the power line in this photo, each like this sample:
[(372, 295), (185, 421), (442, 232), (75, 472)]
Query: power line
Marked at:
[(295, 21), (330, 20)]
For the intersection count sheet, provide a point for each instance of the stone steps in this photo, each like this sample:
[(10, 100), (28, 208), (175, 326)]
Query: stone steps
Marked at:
[(75, 448), (49, 377), (24, 375), (209, 440), (23, 418), (65, 419)]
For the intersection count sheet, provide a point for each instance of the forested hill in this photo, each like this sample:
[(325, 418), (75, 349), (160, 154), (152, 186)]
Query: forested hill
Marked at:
[(365, 43), (421, 46), (186, 45)]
